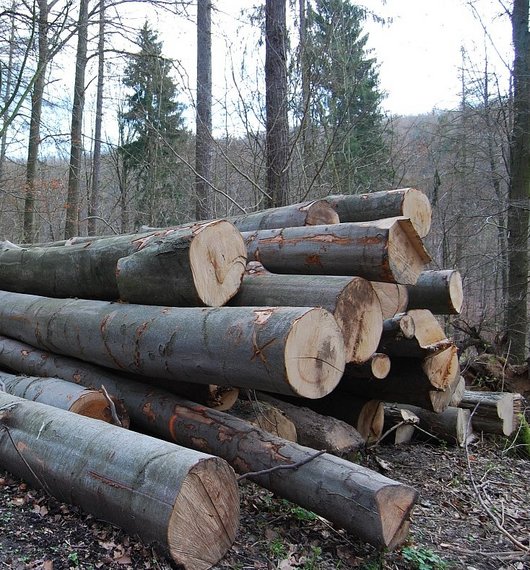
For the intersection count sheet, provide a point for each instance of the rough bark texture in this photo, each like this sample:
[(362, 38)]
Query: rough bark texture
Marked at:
[(351, 300), (183, 499), (385, 250), (318, 431), (407, 202), (363, 502), (393, 298), (492, 412), (439, 291), (61, 394), (288, 350), (315, 213), (203, 263)]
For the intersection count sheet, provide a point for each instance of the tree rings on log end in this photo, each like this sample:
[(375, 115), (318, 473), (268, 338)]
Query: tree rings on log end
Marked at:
[(395, 504), (205, 516), (218, 257), (314, 354), (417, 207), (456, 292), (93, 404), (321, 213), (407, 256), (358, 313)]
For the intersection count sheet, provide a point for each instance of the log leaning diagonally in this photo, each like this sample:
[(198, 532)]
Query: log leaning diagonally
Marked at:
[(351, 300), (289, 350), (183, 499), (202, 264), (365, 503), (386, 250), (407, 202)]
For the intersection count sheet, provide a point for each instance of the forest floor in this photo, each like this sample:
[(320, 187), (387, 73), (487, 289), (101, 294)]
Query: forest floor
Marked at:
[(473, 513)]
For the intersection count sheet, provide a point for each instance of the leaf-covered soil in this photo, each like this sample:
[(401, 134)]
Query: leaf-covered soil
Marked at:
[(473, 513)]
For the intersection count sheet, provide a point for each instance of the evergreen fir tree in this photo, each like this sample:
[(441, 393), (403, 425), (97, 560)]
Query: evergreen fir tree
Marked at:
[(154, 120)]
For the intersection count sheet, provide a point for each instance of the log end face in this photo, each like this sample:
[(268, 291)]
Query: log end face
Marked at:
[(320, 213), (417, 207), (407, 256), (314, 354), (395, 504), (92, 404), (456, 292), (380, 365), (218, 257), (358, 314), (205, 516)]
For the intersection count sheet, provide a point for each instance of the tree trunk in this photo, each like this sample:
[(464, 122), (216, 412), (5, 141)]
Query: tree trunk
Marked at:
[(427, 338), (295, 351), (277, 122), (201, 265), (76, 149), (438, 291), (37, 96), (426, 383), (518, 189), (59, 393), (492, 412), (351, 300), (265, 416), (365, 503), (318, 431), (203, 139), (93, 204), (185, 500), (407, 202), (387, 250), (394, 298), (452, 425), (377, 367)]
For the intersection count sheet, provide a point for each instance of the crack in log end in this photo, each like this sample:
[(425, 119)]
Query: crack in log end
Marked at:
[(148, 412)]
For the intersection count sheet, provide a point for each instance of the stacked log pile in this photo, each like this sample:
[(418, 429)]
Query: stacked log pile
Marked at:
[(332, 317)]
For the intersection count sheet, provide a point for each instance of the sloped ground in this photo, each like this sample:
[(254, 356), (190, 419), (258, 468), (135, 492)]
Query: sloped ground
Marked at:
[(473, 513)]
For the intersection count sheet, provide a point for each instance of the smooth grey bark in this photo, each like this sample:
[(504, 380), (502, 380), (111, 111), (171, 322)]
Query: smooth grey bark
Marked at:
[(441, 292), (68, 455)]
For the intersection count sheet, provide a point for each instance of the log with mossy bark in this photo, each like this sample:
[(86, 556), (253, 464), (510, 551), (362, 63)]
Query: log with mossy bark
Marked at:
[(439, 291), (407, 202), (491, 412), (426, 383), (199, 265), (393, 297), (351, 300), (65, 395), (318, 431), (185, 500), (370, 506), (289, 350), (26, 359), (385, 250)]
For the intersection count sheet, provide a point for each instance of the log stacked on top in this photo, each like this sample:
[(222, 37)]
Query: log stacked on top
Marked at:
[(326, 320)]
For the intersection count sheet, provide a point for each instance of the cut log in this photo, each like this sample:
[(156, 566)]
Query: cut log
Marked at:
[(365, 415), (458, 392), (399, 424), (426, 383), (318, 431), (25, 359), (491, 412), (452, 425), (351, 300), (423, 338), (394, 298), (365, 503), (407, 202), (439, 291), (377, 367), (185, 500), (315, 213), (289, 350), (385, 250), (59, 393), (266, 416), (201, 265)]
